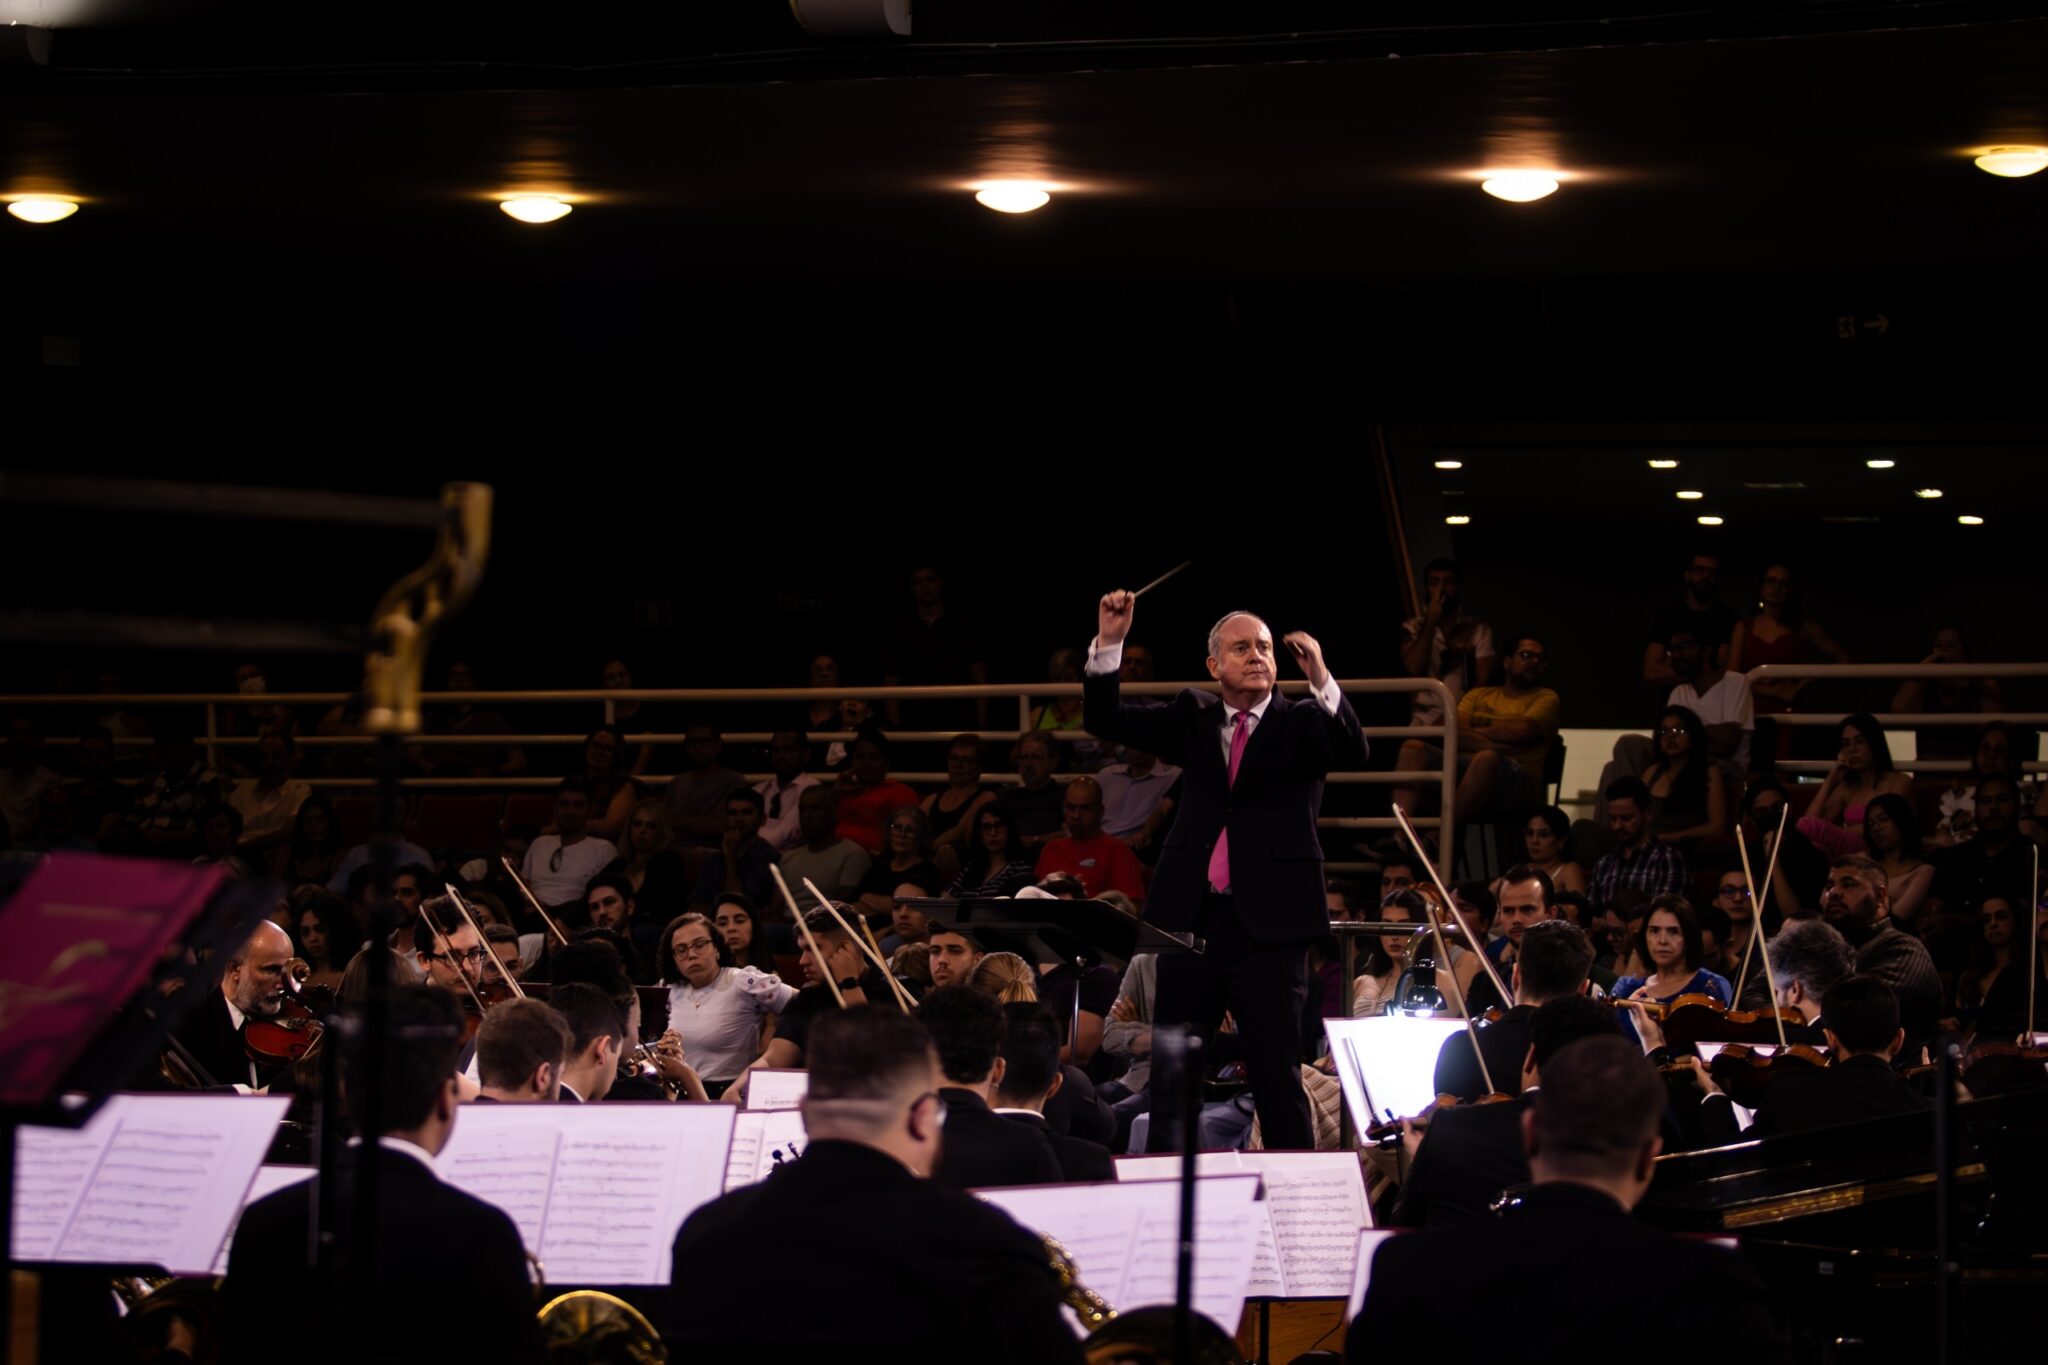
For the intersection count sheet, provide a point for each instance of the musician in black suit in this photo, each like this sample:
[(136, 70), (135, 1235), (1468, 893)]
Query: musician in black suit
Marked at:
[(448, 1277), (880, 1263), (982, 1149), (1552, 963), (1031, 1076), (1591, 1135), (1863, 1033), (251, 986), (1466, 1155), (1242, 867)]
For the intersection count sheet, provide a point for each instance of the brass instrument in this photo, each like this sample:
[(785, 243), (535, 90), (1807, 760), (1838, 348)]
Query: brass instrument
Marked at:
[(1144, 1337), (1089, 1306), (640, 1062), (586, 1325)]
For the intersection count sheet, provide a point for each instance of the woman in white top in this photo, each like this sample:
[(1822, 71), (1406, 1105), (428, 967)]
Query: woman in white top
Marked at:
[(1388, 959), (718, 1010)]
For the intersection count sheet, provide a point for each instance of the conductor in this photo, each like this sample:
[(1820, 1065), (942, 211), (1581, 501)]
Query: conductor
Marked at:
[(1241, 868)]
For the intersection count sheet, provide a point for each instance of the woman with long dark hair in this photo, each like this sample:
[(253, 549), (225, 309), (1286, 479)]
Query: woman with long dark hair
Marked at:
[(1546, 836), (1891, 829), (1688, 799), (1833, 823), (613, 791), (314, 851), (996, 863), (738, 922), (1991, 997)]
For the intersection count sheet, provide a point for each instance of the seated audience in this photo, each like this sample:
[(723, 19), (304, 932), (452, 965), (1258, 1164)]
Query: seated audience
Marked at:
[(324, 933), (1991, 995), (1504, 735), (1857, 904), (695, 800), (1998, 751), (1719, 698), (610, 904), (1947, 696), (1138, 796), (1780, 633), (1997, 861), (907, 859), (1699, 614), (1547, 841), (1891, 833), (1447, 644), (560, 865), (1036, 805), (1834, 818), (649, 860), (313, 852), (740, 865), (789, 754), (868, 797), (980, 1149), (1097, 860), (739, 926), (996, 864), (269, 802), (23, 780), (950, 811), (1640, 862), (907, 924), (1688, 798), (605, 770), (837, 864)]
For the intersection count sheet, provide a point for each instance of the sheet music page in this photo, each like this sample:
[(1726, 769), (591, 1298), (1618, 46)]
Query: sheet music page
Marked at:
[(1317, 1204), (1269, 1275), (1099, 1245), (152, 1180), (1167, 1167), (1368, 1242), (743, 1158), (1387, 1063), (776, 1089), (269, 1180), (598, 1191)]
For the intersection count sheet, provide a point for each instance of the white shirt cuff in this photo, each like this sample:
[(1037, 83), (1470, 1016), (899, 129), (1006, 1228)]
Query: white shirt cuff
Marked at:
[(1329, 695), (1104, 658)]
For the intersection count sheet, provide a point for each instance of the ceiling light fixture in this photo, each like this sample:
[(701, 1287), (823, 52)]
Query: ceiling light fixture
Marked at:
[(1710, 521), (1877, 464), (1012, 196), (1663, 464), (1970, 521), (1520, 187), (1450, 464), (1690, 495), (1927, 492), (2013, 162), (536, 208), (1458, 521), (42, 208)]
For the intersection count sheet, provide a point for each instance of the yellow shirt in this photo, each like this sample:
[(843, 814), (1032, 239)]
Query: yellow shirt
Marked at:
[(1482, 706)]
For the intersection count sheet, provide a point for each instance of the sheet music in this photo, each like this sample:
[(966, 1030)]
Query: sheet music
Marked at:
[(1225, 1227), (1387, 1063), (782, 1139), (776, 1088), (743, 1158), (1269, 1275), (598, 1191), (1316, 1202), (1167, 1167), (269, 1180), (151, 1180), (1368, 1243)]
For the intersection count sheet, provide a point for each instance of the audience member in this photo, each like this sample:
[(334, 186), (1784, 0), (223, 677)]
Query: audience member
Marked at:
[(163, 822), (1031, 1076), (743, 858), (1138, 798), (695, 801), (868, 797), (907, 923), (1780, 633), (99, 799), (932, 645), (789, 754), (908, 859), (1097, 860), (1703, 619), (1547, 840), (1036, 804), (1061, 713), (1857, 904), (951, 810), (1719, 698), (996, 863), (1948, 697), (23, 779), (1640, 862), (1998, 751), (1688, 798), (1802, 868), (269, 802), (220, 832), (649, 861), (560, 865), (1891, 832), (466, 718), (1446, 644), (1591, 1134), (1834, 818), (738, 922), (324, 932), (821, 713), (837, 864), (980, 1150), (630, 714), (1991, 995), (613, 792), (1504, 735), (1997, 861)]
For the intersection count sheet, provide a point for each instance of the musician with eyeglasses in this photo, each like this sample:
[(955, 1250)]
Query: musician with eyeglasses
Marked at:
[(856, 1226)]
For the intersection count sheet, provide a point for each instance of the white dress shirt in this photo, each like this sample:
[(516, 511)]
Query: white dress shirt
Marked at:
[(781, 831), (1109, 658)]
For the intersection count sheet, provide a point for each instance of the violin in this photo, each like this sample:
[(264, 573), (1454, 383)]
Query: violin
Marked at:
[(295, 1031), (1697, 1018), (1998, 1068), (1741, 1070), (1388, 1134)]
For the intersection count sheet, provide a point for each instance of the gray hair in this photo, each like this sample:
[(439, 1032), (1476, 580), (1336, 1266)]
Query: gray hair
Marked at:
[(1216, 631), (1813, 953)]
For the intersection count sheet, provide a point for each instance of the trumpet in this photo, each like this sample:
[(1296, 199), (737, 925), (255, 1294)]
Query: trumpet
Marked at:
[(640, 1062)]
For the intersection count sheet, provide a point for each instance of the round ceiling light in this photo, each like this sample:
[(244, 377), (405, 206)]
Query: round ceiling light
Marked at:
[(42, 208), (1520, 187), (2014, 162), (1013, 196), (536, 208)]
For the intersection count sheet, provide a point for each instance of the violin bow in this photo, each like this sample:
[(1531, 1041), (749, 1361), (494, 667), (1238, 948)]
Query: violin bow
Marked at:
[(1436, 925), (1451, 907), (427, 918), (2026, 1038), (1756, 929), (874, 953), (533, 900), (817, 953), (489, 952), (1756, 906)]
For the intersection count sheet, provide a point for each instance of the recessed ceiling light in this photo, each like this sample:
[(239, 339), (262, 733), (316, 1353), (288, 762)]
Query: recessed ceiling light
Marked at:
[(2013, 162), (1450, 464), (1927, 492), (1690, 495), (1458, 521), (42, 208), (1012, 196), (1877, 464), (1710, 521), (536, 208), (1520, 187), (1663, 464), (1971, 521)]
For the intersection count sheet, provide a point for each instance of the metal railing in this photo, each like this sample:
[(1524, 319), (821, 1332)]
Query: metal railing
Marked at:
[(1916, 720), (1025, 696)]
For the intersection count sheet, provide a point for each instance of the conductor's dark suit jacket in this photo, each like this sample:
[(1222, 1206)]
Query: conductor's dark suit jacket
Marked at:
[(449, 1277), (1567, 1275), (1276, 860)]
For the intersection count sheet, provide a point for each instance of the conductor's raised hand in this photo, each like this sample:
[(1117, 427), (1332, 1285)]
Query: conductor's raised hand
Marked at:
[(1113, 616), (1309, 654)]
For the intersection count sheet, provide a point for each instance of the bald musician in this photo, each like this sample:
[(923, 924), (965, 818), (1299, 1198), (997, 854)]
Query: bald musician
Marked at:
[(252, 986), (448, 1273), (880, 1262), (1591, 1136)]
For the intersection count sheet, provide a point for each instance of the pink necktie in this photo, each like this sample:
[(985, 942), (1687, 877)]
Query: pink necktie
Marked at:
[(1219, 859)]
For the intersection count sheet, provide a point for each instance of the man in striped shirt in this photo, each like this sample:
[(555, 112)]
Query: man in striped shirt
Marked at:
[(1640, 861)]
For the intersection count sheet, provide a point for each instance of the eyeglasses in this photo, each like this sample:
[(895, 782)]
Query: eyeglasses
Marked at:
[(696, 945), (1736, 893), (1670, 731), (1534, 656), (475, 957), (903, 829)]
